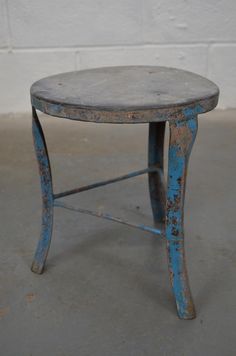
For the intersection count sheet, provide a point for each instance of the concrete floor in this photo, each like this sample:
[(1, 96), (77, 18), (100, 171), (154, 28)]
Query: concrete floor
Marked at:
[(106, 289)]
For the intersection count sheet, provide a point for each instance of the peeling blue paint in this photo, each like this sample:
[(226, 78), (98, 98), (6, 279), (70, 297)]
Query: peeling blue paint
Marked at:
[(178, 160), (47, 195), (191, 112)]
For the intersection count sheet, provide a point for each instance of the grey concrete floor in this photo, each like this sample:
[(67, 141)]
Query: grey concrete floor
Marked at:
[(105, 290)]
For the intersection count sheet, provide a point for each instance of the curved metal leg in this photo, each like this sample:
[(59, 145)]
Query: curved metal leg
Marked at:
[(47, 195), (182, 136), (155, 179)]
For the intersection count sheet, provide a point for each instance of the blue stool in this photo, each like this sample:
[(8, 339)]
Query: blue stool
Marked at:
[(130, 95)]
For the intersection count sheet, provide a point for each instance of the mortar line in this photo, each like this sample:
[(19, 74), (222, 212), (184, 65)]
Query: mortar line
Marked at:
[(121, 46), (9, 30)]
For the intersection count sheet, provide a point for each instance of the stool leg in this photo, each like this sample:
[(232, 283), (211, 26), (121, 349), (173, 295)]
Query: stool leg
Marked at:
[(182, 136), (155, 179), (47, 195)]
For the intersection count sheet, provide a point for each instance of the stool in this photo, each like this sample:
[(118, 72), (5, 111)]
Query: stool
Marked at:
[(130, 95)]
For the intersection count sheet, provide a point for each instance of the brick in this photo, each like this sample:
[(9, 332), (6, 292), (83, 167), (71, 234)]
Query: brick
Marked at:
[(20, 70), (74, 23), (189, 21), (3, 25), (193, 58), (222, 70)]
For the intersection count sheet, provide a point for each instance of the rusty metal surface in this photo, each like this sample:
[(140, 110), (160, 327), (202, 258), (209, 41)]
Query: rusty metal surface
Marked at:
[(156, 179), (182, 136), (133, 94), (47, 195)]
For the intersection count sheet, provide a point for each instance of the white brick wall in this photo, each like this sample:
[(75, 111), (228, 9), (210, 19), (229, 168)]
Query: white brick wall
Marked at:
[(39, 38)]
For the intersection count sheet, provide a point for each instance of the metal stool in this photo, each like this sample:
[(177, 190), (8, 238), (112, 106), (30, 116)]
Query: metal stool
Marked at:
[(130, 95)]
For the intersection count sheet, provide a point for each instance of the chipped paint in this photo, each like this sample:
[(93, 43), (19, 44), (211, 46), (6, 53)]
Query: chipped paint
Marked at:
[(156, 179), (182, 136), (71, 112), (47, 195)]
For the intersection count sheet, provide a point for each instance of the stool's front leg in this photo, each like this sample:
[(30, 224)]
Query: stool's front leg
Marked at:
[(182, 136), (47, 195)]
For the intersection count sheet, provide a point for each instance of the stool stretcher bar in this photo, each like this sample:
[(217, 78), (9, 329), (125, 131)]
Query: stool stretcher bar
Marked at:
[(105, 182), (109, 217)]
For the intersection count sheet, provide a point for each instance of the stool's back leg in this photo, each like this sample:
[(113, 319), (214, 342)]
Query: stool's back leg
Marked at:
[(155, 179), (182, 136), (47, 195)]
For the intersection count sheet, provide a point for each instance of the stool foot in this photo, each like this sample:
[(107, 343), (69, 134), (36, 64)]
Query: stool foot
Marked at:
[(155, 179), (36, 268), (182, 136), (47, 195)]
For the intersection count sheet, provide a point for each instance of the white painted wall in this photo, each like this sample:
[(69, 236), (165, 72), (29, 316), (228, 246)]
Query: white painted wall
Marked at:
[(40, 38)]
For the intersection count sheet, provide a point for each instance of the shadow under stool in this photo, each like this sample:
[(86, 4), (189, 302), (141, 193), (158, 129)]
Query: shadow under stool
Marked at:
[(130, 95)]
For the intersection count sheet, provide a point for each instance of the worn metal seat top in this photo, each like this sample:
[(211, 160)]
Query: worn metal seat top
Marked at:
[(128, 94)]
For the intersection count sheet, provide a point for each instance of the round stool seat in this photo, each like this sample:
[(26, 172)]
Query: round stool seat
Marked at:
[(127, 94)]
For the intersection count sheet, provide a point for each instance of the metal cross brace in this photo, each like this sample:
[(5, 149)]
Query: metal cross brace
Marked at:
[(107, 216)]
